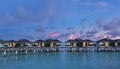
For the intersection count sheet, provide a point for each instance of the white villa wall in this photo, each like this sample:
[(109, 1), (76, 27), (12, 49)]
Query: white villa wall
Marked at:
[(1, 45)]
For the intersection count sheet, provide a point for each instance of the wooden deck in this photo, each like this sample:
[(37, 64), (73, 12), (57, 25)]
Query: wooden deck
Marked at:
[(26, 50), (61, 49)]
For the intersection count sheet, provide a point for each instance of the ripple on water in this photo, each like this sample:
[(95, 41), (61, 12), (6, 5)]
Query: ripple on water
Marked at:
[(62, 60)]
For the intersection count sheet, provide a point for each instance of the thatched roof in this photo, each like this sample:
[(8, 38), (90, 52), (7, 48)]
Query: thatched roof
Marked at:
[(49, 40), (11, 41), (2, 41), (52, 40), (75, 40), (117, 40), (88, 40), (24, 41), (78, 40), (70, 41), (57, 41), (39, 41), (104, 40)]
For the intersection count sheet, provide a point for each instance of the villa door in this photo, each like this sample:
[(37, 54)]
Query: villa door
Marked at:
[(86, 44), (71, 44), (40, 44)]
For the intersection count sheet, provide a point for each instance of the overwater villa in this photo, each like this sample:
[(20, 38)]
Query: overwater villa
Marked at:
[(52, 43), (24, 43), (71, 43), (79, 43), (104, 42), (117, 42), (10, 43), (56, 42), (39, 43), (87, 43)]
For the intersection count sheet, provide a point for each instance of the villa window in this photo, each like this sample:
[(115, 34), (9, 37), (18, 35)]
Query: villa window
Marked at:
[(101, 44)]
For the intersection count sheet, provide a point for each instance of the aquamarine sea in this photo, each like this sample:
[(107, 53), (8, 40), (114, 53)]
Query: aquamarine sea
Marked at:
[(62, 60)]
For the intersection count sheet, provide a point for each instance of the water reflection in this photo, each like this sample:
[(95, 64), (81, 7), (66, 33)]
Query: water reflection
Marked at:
[(62, 60)]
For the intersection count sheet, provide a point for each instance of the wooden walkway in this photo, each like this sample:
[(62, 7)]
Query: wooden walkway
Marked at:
[(26, 50), (62, 48)]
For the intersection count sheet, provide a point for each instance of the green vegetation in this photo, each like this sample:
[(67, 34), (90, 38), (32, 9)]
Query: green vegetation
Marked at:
[(21, 45), (18, 45), (112, 44), (79, 44), (47, 44)]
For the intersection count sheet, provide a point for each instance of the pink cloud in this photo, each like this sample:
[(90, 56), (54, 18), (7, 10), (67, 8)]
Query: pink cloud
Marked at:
[(101, 35), (116, 37), (53, 34), (74, 36)]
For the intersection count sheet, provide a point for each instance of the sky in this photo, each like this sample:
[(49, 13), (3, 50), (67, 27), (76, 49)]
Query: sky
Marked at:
[(59, 19)]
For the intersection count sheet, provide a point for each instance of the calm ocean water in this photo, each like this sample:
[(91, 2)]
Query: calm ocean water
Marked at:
[(62, 60)]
